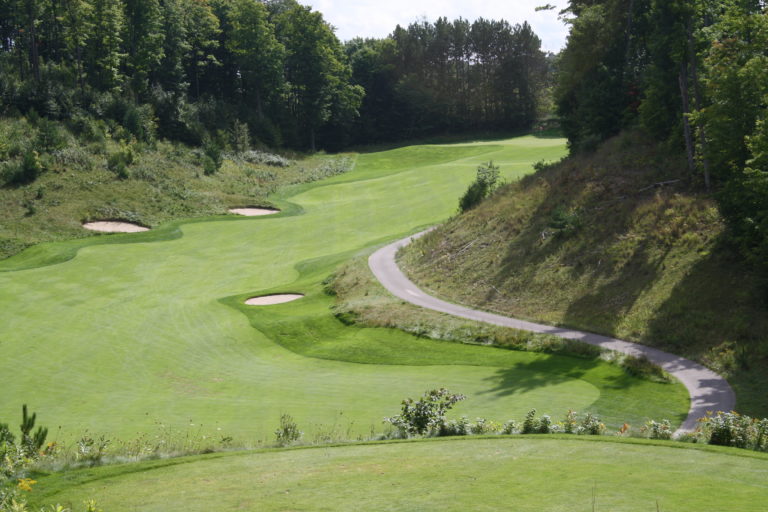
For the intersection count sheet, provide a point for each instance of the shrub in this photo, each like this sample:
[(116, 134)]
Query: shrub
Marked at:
[(530, 425), (15, 458), (489, 175), (425, 416), (483, 426), (88, 129), (485, 183), (209, 166), (50, 136), (213, 158), (510, 427), (139, 121), (473, 196), (569, 422), (591, 425), (6, 437), (644, 368), (92, 451), (564, 220), (658, 430), (119, 161), (72, 157), (733, 429), (545, 425), (288, 431), (262, 157), (460, 427), (325, 169), (26, 171), (240, 137)]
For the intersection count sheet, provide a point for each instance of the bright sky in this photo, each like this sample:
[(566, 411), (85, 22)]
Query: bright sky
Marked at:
[(377, 18)]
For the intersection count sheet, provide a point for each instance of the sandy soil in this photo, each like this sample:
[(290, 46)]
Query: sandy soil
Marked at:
[(253, 212), (266, 300), (114, 227)]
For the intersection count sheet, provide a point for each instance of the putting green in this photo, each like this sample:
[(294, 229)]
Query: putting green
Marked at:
[(123, 335), (523, 474)]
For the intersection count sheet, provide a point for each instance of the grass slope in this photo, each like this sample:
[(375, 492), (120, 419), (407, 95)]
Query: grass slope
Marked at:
[(592, 244), (165, 182), (455, 474), (125, 334)]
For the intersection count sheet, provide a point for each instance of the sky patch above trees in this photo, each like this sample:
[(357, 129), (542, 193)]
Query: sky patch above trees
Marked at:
[(353, 18)]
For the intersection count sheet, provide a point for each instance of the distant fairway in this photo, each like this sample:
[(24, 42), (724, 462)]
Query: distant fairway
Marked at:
[(517, 474), (123, 335)]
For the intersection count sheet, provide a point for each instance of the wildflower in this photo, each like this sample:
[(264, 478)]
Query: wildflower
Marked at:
[(25, 484)]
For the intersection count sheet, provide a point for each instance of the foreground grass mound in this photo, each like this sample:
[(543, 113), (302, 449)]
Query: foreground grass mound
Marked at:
[(161, 333), (521, 474), (619, 243)]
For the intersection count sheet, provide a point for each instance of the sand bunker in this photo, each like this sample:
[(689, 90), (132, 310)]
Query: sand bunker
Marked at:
[(114, 227), (253, 212), (266, 300)]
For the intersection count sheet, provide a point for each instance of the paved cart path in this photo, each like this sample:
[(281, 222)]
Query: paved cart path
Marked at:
[(708, 390)]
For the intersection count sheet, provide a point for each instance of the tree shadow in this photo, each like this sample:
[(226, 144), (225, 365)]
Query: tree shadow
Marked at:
[(548, 370), (710, 306), (606, 306), (572, 225)]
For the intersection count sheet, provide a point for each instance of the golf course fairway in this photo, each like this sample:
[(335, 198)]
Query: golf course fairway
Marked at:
[(520, 474), (115, 338)]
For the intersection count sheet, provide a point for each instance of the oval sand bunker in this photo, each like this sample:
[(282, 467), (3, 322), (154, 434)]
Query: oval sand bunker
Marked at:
[(253, 212), (114, 227), (266, 300)]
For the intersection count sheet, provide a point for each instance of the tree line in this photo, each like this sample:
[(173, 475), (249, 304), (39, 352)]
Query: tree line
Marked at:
[(691, 73), (185, 69), (449, 77)]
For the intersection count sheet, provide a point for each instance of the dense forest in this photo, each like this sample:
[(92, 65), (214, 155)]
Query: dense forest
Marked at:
[(178, 69), (186, 69), (450, 77), (691, 73)]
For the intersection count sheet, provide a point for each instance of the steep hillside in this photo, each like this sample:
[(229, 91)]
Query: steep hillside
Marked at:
[(619, 242)]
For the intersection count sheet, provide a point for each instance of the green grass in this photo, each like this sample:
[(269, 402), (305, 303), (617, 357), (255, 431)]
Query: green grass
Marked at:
[(125, 334), (522, 474), (165, 183), (592, 244)]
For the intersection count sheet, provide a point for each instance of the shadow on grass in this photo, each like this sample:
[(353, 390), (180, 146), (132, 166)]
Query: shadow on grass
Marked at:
[(545, 371), (551, 369), (717, 314), (573, 225)]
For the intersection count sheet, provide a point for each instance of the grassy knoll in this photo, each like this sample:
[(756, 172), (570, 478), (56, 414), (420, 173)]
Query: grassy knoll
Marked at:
[(591, 243), (124, 334), (521, 474)]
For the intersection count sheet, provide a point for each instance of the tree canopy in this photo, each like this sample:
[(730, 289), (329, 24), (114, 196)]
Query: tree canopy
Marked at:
[(694, 75)]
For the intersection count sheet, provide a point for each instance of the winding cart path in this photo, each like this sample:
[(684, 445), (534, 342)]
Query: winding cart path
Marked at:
[(708, 390)]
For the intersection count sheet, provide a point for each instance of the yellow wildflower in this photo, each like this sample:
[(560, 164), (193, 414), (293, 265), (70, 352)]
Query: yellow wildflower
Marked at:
[(25, 484)]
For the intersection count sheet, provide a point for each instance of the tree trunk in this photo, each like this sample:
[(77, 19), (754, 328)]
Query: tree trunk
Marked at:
[(33, 50), (259, 111), (20, 53), (312, 138), (699, 105), (686, 110)]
